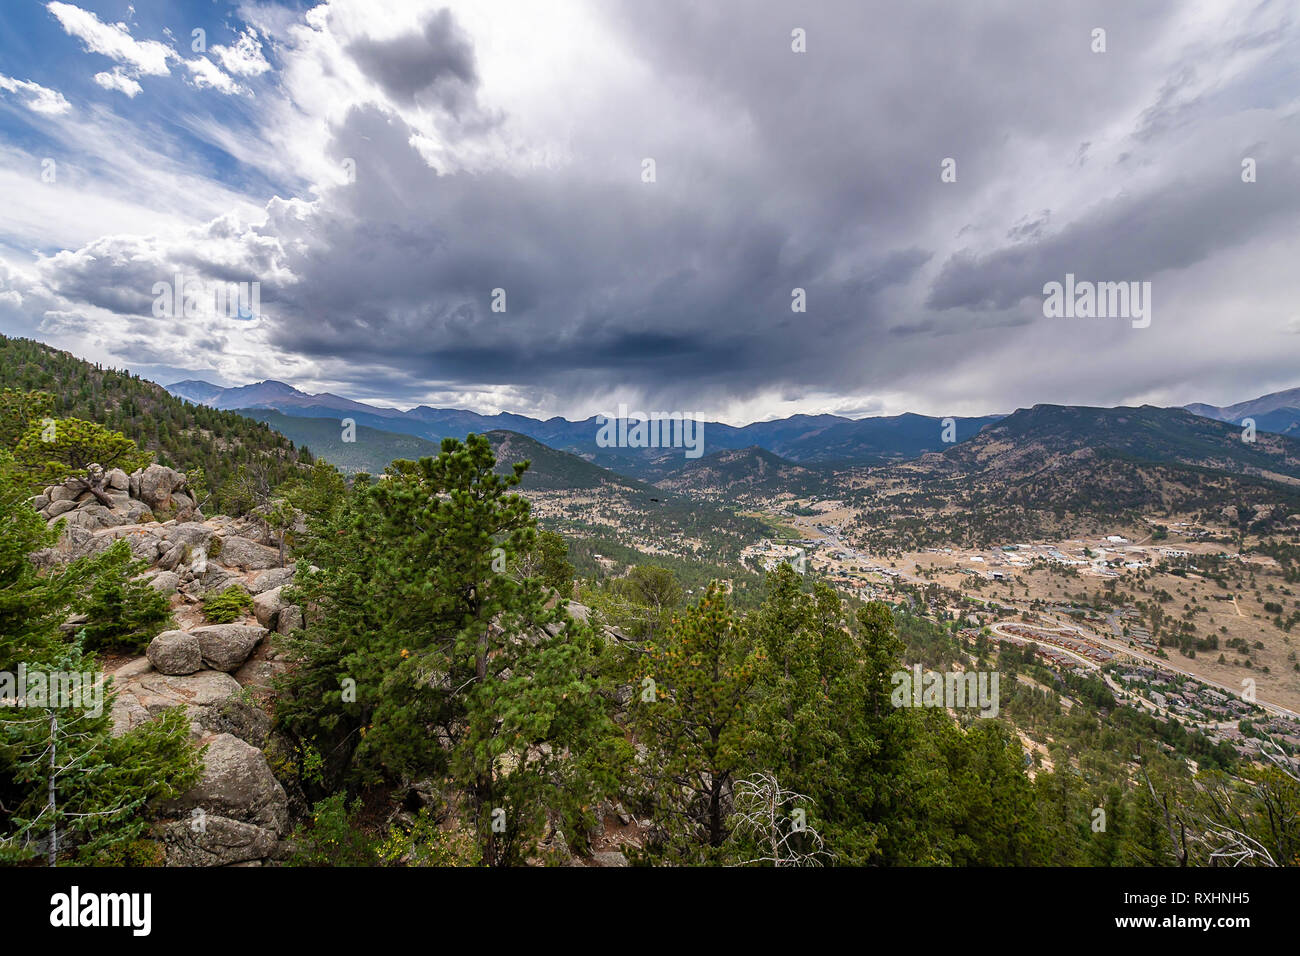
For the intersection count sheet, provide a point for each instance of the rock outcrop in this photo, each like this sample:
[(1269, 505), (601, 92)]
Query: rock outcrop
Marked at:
[(155, 493), (238, 813)]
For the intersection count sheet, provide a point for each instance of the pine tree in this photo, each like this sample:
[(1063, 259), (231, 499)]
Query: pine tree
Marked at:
[(693, 711), (460, 671)]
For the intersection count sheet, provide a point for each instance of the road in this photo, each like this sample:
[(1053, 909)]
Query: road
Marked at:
[(1169, 665), (808, 527)]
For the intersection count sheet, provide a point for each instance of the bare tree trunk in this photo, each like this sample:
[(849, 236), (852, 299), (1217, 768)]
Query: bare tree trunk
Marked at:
[(99, 493), (54, 818), (483, 784)]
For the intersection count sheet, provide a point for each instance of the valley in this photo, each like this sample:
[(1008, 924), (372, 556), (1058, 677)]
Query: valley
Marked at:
[(1146, 532), (1125, 596)]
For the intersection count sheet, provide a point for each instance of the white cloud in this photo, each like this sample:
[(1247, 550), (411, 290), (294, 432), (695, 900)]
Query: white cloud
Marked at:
[(244, 58), (112, 177), (208, 75), (113, 40), (35, 97), (117, 80)]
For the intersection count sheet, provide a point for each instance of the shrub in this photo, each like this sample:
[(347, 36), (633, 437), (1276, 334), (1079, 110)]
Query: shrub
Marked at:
[(130, 853), (334, 838), (428, 844), (227, 606), (123, 611)]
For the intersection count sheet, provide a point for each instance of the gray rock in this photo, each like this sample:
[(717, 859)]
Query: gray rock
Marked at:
[(609, 858), (127, 714), (274, 578), (266, 607), (77, 542), (212, 840), (289, 619), (143, 544), (165, 581), (94, 516), (157, 483), (238, 717), (140, 699), (172, 557), (40, 502), (62, 493), (203, 689), (175, 653), (137, 511), (158, 692), (226, 646), (74, 623), (183, 506), (189, 532), (216, 579), (60, 506), (135, 668), (238, 784), (240, 552), (119, 480), (257, 675)]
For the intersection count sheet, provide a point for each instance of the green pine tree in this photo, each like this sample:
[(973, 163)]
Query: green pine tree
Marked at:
[(461, 672)]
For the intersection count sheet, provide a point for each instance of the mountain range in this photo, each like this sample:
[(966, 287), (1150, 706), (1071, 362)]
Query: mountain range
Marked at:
[(1277, 412), (812, 442), (1041, 438), (1016, 474), (1052, 472), (821, 440)]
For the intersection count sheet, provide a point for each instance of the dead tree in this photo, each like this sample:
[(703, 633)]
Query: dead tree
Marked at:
[(773, 818)]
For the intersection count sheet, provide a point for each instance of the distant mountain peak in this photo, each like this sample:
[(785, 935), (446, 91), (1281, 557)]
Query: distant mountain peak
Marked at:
[(277, 385), (1276, 412)]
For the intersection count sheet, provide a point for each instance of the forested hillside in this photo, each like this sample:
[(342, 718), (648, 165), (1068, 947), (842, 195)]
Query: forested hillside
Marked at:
[(180, 435)]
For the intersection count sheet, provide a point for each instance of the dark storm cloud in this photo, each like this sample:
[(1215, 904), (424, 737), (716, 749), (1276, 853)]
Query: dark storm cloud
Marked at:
[(600, 278), (436, 63), (683, 288)]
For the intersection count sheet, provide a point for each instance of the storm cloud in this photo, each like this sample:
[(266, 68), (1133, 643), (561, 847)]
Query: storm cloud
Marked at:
[(499, 157), (437, 62)]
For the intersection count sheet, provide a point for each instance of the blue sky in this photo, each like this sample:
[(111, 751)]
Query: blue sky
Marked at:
[(380, 167), (35, 46)]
